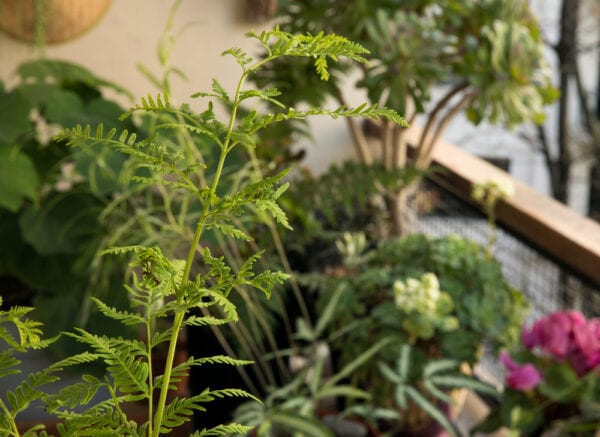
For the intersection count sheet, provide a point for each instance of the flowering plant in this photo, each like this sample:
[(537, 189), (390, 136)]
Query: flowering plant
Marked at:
[(424, 307), (552, 381)]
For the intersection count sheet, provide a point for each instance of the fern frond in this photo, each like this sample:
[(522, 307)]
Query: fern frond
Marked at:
[(121, 356), (217, 359), (101, 420), (177, 413), (127, 318), (363, 111), (82, 135), (29, 331), (320, 47), (266, 95), (266, 281), (240, 56), (28, 391), (74, 360), (204, 321), (232, 231), (228, 307), (229, 429), (77, 394), (158, 104), (220, 91), (8, 363), (213, 132)]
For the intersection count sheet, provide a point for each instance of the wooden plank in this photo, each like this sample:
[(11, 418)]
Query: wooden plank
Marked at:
[(540, 220)]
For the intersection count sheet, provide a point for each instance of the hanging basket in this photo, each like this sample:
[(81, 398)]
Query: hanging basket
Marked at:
[(61, 20)]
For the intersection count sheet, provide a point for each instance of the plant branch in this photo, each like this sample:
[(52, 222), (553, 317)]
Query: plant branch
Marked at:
[(432, 119), (425, 154)]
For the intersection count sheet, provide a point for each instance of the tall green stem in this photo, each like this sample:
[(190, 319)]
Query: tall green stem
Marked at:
[(179, 315)]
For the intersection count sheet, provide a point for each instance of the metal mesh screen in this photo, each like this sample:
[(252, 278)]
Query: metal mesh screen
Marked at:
[(547, 284)]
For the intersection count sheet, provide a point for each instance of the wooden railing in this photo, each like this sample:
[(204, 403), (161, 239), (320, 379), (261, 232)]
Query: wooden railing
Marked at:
[(570, 238)]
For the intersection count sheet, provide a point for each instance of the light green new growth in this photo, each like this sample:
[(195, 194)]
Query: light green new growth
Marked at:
[(166, 289)]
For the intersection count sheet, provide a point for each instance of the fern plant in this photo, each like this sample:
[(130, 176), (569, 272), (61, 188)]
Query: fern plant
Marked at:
[(163, 288)]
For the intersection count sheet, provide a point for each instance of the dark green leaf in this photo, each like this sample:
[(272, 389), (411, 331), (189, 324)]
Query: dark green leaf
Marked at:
[(18, 178)]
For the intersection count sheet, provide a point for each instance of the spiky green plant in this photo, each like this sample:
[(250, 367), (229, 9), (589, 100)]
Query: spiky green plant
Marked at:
[(166, 289)]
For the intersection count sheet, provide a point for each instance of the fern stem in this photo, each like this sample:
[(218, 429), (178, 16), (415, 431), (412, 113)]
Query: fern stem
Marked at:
[(162, 400), (179, 315), (150, 372), (11, 419)]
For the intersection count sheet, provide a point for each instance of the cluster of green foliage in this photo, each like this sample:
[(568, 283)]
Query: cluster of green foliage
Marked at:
[(481, 309), (487, 307), (390, 362), (164, 288), (429, 61), (52, 197)]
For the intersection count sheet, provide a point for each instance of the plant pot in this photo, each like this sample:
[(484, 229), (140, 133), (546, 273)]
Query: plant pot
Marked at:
[(61, 20)]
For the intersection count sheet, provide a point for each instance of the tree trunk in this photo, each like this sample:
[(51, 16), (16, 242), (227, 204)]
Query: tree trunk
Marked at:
[(566, 50)]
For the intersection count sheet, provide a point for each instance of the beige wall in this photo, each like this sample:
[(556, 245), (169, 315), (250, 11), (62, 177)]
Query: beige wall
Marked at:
[(128, 33)]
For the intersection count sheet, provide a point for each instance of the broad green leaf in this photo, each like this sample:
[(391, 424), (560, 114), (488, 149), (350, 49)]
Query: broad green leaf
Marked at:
[(64, 72), (18, 178), (14, 117), (62, 224), (64, 108)]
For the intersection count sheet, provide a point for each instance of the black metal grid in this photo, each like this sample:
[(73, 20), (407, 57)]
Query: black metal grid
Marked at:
[(547, 283)]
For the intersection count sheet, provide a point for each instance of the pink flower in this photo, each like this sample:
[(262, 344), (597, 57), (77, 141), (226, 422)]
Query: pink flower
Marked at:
[(523, 377), (566, 336)]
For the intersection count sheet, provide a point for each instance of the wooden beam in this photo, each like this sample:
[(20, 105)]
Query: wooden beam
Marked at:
[(543, 222)]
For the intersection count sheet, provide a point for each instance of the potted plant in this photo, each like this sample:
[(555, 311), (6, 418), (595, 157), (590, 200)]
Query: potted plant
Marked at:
[(552, 383), (436, 298), (167, 288)]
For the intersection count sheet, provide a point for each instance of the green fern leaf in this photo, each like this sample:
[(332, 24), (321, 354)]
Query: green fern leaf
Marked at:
[(275, 210), (8, 363), (177, 413), (229, 429), (226, 305), (28, 391), (220, 91), (204, 321), (232, 231), (266, 95), (121, 357), (125, 317), (77, 394), (266, 281), (240, 56), (218, 359)]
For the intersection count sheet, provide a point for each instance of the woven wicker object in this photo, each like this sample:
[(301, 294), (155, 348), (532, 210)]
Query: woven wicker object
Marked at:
[(62, 19)]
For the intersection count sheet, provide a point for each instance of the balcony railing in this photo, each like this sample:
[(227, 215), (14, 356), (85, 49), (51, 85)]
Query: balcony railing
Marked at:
[(547, 250)]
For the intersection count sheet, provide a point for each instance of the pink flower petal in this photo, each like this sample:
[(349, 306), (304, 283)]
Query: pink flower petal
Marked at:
[(507, 361), (525, 377)]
